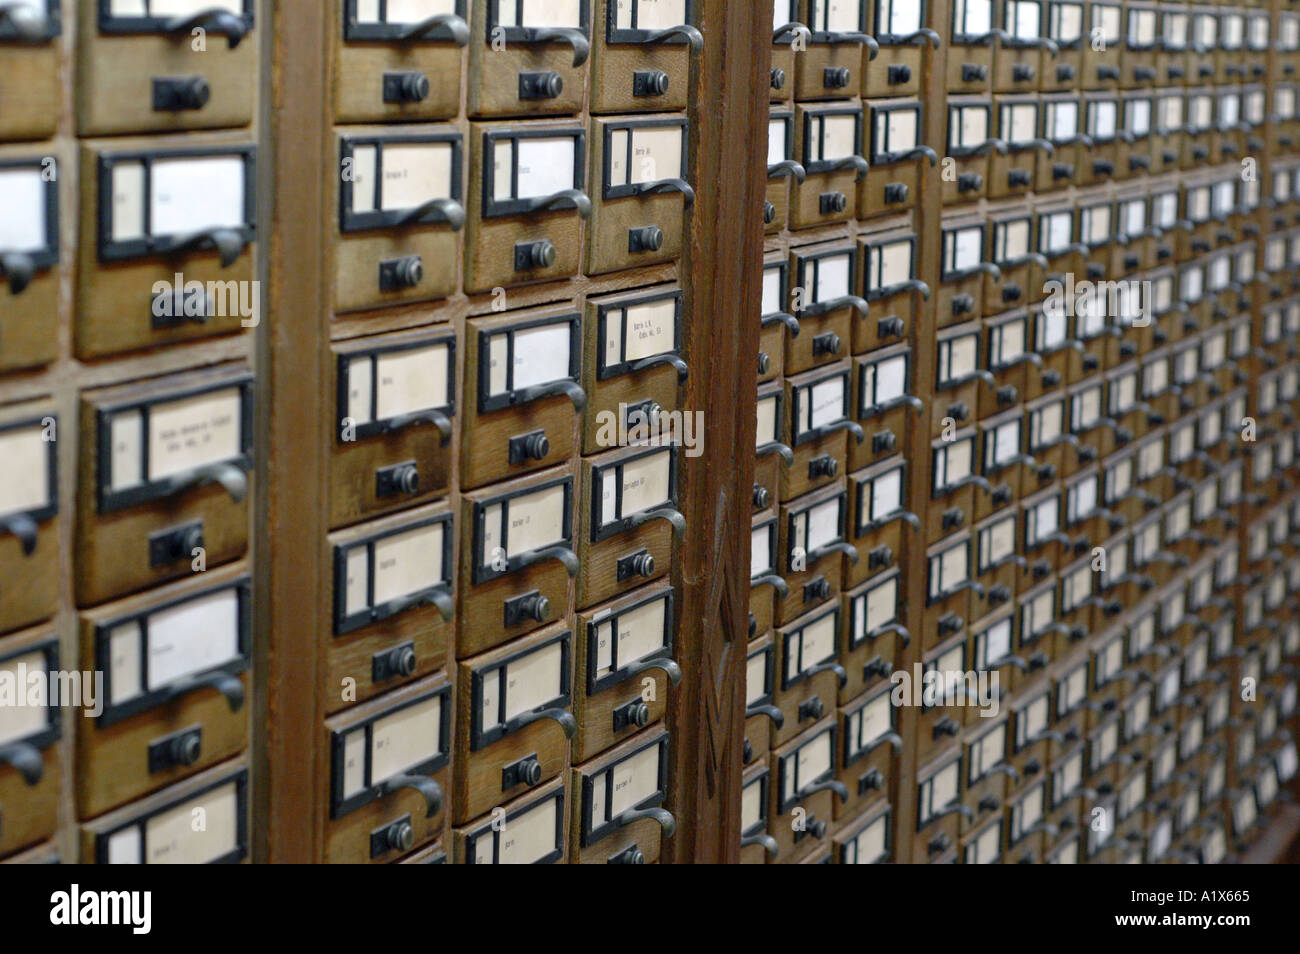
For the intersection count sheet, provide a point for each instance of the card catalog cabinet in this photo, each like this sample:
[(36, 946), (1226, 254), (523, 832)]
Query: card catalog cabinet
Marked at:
[(388, 389)]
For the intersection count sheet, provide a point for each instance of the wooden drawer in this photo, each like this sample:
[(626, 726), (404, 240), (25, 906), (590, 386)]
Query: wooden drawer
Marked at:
[(30, 275), (31, 728), (29, 508), (618, 814)]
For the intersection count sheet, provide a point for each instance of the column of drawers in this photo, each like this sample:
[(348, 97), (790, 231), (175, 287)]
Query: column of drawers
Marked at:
[(131, 287), (507, 331)]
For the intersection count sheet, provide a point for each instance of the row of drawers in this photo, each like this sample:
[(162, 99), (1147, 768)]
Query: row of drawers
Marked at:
[(196, 65)]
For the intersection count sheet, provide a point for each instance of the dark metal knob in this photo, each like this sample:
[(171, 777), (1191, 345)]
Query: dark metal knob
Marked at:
[(828, 343), (647, 239), (817, 829), (890, 327), (899, 73), (409, 272), (537, 446), (974, 72), (896, 192), (884, 442), (650, 83), (833, 202), (633, 856), (541, 254), (188, 541), (403, 660), (762, 497), (953, 518), (186, 749), (747, 752), (539, 608), (1021, 73), (638, 714), (1008, 395), (825, 466), (530, 771), (778, 78), (961, 304), (812, 709), (1051, 378), (401, 837), (764, 362), (407, 479), (820, 588), (880, 556), (959, 411), (643, 564), (414, 88), (969, 182), (769, 213), (836, 77)]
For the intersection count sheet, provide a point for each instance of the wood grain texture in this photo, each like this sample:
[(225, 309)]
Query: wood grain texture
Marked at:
[(29, 91), (724, 268)]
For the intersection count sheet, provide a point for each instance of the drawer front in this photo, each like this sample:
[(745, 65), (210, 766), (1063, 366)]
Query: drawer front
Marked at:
[(29, 509), (390, 769), (29, 59), (29, 265), (642, 54), (195, 68), (175, 678), (167, 249), (531, 830), (532, 65), (394, 440), (30, 732), (164, 475), (618, 814)]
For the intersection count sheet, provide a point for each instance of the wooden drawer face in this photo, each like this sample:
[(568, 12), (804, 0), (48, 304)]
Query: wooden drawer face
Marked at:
[(29, 61), (167, 252), (867, 759), (29, 508), (396, 244), (29, 265), (868, 839), (803, 790), (29, 732), (392, 601), (631, 522), (527, 202), (160, 829), (394, 70), (138, 72), (531, 830), (808, 673), (828, 144), (513, 720), (390, 767), (818, 429), (755, 843), (624, 668), (641, 56), (393, 443), (618, 815), (516, 558), (761, 716), (521, 378), (164, 474), (872, 634), (632, 366), (640, 172), (175, 664), (529, 64)]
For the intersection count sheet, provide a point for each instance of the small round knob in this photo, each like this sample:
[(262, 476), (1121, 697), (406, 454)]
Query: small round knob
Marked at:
[(401, 837), (873, 780), (190, 540), (540, 610), (821, 589), (1051, 378), (551, 85), (890, 327), (194, 93), (530, 771), (762, 497), (959, 411), (409, 272), (407, 479), (837, 77), (639, 714), (817, 829), (753, 626), (404, 661), (542, 254), (656, 83), (886, 441), (747, 752), (650, 238), (816, 708), (764, 362), (414, 88), (778, 78), (537, 446), (643, 564), (769, 213), (651, 412), (837, 202), (633, 856), (186, 749)]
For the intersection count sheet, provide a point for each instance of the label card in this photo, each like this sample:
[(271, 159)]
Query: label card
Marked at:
[(25, 482)]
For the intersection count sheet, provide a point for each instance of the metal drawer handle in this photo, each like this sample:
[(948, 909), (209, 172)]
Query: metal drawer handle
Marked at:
[(683, 372), (24, 528), (693, 36), (227, 475), (778, 583), (436, 595), (439, 420), (667, 823), (575, 38), (214, 20), (435, 210), (448, 23), (229, 686), (667, 185), (426, 786), (563, 717), (26, 759), (770, 847), (229, 244), (662, 513), (561, 553), (669, 667), (564, 386), (787, 167), (19, 269)]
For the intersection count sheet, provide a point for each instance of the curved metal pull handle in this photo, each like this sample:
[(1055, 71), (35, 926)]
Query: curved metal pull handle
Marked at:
[(214, 20), (831, 784), (956, 807), (770, 847), (834, 667), (24, 528), (426, 786), (563, 717), (671, 514), (435, 210), (982, 374), (683, 372), (666, 185), (961, 587), (853, 427), (989, 145), (26, 759), (19, 268), (232, 687), (772, 712), (916, 152), (921, 36), (227, 475), (913, 284), (663, 816), (787, 167), (439, 420), (978, 480), (570, 35), (835, 304), (1044, 144), (1009, 771), (893, 738), (452, 24), (847, 549), (564, 386), (857, 162), (794, 30), (862, 39), (561, 553), (984, 39), (980, 268), (1042, 42), (790, 322), (693, 37), (776, 447), (669, 667), (1032, 357), (438, 596), (776, 582), (558, 200), (907, 516), (897, 629), (228, 243)]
